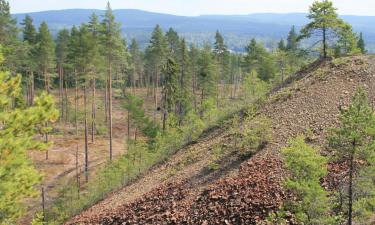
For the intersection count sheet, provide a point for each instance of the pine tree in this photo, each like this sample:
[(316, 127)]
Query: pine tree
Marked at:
[(173, 42), (18, 127), (325, 24), (46, 59), (74, 47), (96, 64), (29, 31), (29, 38), (156, 54), (136, 62), (62, 50), (306, 168), (45, 54), (259, 59), (9, 37), (184, 97), (222, 56), (361, 44), (352, 142), (113, 47)]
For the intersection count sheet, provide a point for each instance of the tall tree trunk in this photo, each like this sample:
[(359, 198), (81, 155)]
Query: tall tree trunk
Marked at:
[(128, 126), (324, 42), (32, 88), (76, 104), (78, 173), (194, 91), (93, 110), (106, 101), (350, 191), (86, 136), (66, 101), (110, 108), (46, 86), (182, 92), (61, 99)]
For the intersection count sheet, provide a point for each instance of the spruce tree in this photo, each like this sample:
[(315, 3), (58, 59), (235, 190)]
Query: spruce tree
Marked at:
[(292, 40), (281, 45), (361, 44), (169, 92)]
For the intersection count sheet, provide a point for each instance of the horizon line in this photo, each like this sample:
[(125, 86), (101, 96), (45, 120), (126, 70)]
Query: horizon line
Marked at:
[(171, 14)]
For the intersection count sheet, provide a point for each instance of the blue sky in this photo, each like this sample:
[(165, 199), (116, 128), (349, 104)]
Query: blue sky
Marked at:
[(196, 7)]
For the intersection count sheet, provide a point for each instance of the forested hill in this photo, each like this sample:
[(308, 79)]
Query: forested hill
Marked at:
[(237, 29)]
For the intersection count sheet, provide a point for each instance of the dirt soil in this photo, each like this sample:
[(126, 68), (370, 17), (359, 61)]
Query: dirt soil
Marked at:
[(184, 191)]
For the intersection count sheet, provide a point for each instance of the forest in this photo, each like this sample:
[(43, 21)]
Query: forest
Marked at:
[(119, 111)]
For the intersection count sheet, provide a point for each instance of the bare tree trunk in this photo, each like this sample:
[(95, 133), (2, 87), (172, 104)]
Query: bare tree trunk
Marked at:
[(128, 125), (61, 92), (78, 172), (76, 104), (110, 108), (66, 102), (324, 42), (194, 92), (350, 191), (32, 88), (106, 101), (46, 86), (44, 205), (86, 137), (93, 111)]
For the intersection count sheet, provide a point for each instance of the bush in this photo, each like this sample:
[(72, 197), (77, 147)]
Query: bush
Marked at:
[(252, 135), (306, 167)]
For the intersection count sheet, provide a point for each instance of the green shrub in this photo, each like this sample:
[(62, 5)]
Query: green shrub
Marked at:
[(306, 167)]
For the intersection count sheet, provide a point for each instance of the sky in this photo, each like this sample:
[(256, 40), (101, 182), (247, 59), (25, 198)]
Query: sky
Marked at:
[(196, 7)]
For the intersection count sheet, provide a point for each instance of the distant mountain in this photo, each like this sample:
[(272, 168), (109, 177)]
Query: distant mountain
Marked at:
[(237, 29)]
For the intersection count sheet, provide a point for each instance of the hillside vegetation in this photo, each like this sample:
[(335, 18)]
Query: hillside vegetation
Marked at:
[(98, 130), (184, 191)]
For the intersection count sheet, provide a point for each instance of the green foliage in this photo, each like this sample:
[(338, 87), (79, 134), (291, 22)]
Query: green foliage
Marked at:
[(259, 59), (353, 143), (292, 44), (18, 127), (253, 87), (38, 219), (306, 168), (327, 26), (251, 134), (282, 96), (138, 118), (361, 44)]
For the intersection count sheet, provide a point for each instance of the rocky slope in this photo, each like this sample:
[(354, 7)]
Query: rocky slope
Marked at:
[(241, 192)]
